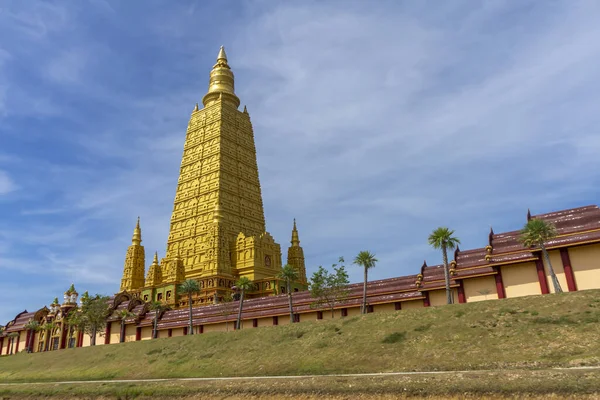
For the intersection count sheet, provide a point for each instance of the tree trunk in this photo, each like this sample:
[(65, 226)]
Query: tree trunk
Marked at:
[(155, 328), (122, 338), (93, 337), (447, 275), (557, 287), (191, 320), (332, 313), (239, 318), (364, 301), (289, 289)]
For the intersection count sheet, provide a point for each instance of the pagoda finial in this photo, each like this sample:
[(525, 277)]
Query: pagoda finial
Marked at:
[(137, 233), (528, 215), (196, 107), (221, 83), (155, 261), (222, 55), (295, 239)]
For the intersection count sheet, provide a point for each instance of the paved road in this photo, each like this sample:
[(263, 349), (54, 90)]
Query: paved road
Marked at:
[(239, 378)]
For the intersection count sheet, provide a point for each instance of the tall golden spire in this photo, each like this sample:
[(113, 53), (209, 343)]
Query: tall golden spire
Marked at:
[(221, 83), (137, 234), (295, 239)]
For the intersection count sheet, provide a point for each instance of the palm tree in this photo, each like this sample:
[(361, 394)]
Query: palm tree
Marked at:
[(367, 260), (189, 287), (536, 232), (442, 238), (123, 315), (242, 284), (32, 326), (290, 274), (158, 308)]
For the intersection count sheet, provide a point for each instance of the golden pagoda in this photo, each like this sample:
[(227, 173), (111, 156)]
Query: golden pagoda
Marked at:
[(217, 231)]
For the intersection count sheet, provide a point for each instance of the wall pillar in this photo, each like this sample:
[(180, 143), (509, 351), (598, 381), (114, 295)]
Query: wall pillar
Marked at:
[(138, 334), (18, 341), (79, 339), (461, 292), (499, 283), (107, 333), (539, 266), (426, 302), (1, 345), (566, 260), (63, 337)]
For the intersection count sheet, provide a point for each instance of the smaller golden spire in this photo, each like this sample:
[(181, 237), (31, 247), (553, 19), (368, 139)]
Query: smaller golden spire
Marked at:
[(155, 261), (196, 107), (137, 234), (295, 239)]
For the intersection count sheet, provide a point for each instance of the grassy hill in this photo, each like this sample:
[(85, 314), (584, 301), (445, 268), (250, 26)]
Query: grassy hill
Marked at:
[(529, 332)]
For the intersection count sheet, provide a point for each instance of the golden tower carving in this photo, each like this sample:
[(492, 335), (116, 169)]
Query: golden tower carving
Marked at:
[(217, 230), (295, 256), (133, 271)]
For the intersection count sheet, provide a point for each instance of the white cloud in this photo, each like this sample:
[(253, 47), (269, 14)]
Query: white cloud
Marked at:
[(6, 183)]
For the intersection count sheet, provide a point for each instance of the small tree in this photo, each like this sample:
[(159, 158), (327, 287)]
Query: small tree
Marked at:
[(442, 238), (189, 287), (366, 260), (94, 311), (243, 284), (289, 274), (159, 308), (226, 308), (537, 232), (123, 316), (329, 288)]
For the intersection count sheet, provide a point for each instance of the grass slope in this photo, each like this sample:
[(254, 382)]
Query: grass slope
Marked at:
[(528, 332)]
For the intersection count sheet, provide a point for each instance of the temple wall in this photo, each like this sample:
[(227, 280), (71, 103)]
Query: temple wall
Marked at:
[(559, 270), (438, 297), (480, 288), (36, 341), (115, 332), (284, 319), (411, 304), (353, 311), (130, 331), (146, 333), (179, 331), (265, 322), (309, 316), (99, 339), (22, 340), (585, 261), (220, 327), (387, 307), (163, 333), (5, 346), (520, 280)]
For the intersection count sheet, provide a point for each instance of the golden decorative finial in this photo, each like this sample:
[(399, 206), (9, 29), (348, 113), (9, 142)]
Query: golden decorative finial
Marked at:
[(196, 108), (137, 233), (155, 261), (295, 239), (245, 110), (221, 83)]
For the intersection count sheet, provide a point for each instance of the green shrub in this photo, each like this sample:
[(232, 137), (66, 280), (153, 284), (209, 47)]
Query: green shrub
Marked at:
[(395, 337)]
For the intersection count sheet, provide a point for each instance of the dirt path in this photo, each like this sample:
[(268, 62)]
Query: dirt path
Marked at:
[(288, 377)]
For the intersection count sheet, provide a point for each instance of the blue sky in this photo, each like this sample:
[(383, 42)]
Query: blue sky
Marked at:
[(375, 123)]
